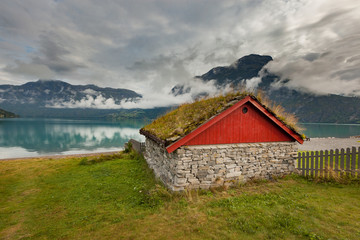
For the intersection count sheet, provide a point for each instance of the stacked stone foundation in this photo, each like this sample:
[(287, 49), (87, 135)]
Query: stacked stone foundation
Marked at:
[(205, 166)]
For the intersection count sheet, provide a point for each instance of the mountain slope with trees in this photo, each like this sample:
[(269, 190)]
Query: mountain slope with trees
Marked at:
[(6, 114)]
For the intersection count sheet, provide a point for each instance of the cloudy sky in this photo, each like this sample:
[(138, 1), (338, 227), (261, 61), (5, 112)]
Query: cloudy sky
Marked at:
[(151, 45)]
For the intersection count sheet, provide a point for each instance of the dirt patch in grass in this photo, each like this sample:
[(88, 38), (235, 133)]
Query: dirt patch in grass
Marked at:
[(10, 232), (29, 192)]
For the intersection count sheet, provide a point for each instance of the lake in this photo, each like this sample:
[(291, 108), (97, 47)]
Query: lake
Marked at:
[(313, 130), (24, 137)]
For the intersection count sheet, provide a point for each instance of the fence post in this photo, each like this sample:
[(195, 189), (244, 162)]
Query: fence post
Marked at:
[(312, 164), (331, 162), (337, 161), (303, 160), (321, 163), (308, 166), (342, 162), (326, 164), (353, 162), (348, 169), (316, 169), (358, 163)]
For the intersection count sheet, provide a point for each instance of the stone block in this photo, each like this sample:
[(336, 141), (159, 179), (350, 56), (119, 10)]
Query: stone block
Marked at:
[(231, 166), (177, 188), (204, 186), (201, 174), (219, 166), (219, 160), (179, 181), (204, 168)]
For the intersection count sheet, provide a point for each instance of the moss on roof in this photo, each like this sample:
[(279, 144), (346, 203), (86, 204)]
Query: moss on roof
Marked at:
[(189, 116)]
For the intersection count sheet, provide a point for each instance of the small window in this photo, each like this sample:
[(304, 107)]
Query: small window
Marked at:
[(245, 110)]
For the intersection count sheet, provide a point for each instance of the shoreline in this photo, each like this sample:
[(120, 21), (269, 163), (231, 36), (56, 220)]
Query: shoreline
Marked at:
[(315, 144), (318, 144), (77, 155)]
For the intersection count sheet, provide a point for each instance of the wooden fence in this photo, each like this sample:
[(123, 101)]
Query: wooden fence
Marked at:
[(330, 163)]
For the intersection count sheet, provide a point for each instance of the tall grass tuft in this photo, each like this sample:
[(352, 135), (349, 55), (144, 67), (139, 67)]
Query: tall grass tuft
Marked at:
[(332, 176), (98, 159), (288, 118)]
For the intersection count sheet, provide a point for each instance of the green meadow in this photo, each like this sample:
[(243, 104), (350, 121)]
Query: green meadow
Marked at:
[(117, 197)]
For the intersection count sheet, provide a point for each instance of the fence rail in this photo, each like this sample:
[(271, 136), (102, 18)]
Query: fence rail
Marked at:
[(330, 163)]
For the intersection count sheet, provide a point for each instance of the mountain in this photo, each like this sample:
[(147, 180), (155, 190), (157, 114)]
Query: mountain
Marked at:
[(54, 98), (6, 114), (308, 107), (245, 68)]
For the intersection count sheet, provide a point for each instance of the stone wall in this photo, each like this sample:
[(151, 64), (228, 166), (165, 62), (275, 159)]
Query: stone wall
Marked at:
[(208, 166)]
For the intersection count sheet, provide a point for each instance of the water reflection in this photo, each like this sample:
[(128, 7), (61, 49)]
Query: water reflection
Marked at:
[(49, 136)]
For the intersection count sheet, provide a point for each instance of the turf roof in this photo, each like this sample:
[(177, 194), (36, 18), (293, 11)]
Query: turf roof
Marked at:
[(187, 117)]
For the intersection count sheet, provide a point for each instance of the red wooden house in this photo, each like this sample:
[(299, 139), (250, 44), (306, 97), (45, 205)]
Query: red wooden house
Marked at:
[(245, 140)]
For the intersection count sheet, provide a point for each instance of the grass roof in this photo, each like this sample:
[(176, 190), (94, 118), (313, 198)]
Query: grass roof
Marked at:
[(187, 117)]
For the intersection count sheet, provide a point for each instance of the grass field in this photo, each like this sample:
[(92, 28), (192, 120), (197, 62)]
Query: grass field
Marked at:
[(118, 198)]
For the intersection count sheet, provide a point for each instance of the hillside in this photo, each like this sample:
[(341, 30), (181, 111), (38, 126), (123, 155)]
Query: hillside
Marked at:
[(6, 114), (308, 107)]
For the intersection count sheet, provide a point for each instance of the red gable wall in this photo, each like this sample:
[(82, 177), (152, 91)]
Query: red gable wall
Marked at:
[(239, 127), (235, 126)]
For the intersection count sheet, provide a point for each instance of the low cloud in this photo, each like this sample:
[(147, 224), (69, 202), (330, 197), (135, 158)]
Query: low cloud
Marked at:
[(252, 84), (336, 70), (148, 101), (98, 102), (166, 98)]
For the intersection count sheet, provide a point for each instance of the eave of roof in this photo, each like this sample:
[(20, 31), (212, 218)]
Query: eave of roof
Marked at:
[(153, 137)]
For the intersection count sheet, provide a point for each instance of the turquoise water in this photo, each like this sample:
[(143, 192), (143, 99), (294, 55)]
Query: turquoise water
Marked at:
[(24, 137), (330, 130)]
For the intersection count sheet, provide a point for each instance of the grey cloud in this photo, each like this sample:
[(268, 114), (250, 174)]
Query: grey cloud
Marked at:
[(325, 20), (334, 71), (150, 46), (52, 54), (30, 69), (47, 62), (348, 74), (312, 56)]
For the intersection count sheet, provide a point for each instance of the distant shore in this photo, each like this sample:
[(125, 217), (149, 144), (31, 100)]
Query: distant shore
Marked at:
[(317, 144)]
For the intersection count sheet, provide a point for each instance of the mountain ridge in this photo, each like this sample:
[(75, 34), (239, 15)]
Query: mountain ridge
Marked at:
[(55, 98), (308, 107)]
